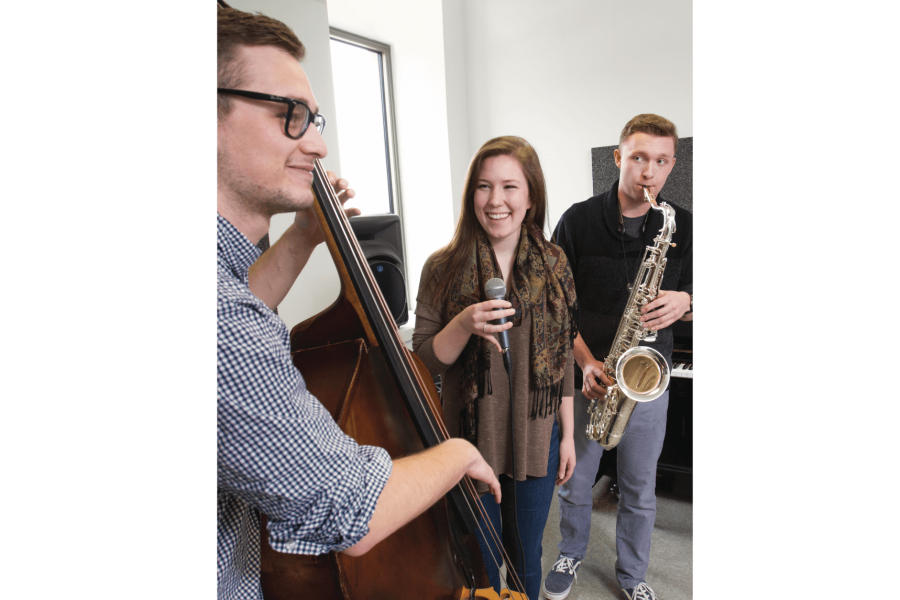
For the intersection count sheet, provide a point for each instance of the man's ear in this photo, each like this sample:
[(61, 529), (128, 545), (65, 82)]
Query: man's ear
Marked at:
[(618, 158)]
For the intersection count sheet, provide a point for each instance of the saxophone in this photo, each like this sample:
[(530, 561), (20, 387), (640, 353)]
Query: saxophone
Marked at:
[(639, 373)]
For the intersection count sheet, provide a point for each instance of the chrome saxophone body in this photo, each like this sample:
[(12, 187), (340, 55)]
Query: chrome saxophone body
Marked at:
[(639, 373)]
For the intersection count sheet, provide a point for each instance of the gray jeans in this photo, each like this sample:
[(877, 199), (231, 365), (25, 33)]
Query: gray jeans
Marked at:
[(638, 452)]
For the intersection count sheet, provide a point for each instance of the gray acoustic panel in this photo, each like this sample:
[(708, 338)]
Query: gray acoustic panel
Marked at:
[(679, 186)]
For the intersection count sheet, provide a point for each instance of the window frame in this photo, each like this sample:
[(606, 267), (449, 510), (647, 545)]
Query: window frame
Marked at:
[(387, 113), (395, 197)]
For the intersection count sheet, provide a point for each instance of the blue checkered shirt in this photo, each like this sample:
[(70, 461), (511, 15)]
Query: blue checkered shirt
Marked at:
[(279, 451)]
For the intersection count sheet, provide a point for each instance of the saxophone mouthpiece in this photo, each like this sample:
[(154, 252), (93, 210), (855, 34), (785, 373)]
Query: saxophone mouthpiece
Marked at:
[(649, 198)]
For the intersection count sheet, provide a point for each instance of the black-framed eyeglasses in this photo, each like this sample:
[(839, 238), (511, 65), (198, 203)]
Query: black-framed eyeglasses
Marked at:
[(298, 117)]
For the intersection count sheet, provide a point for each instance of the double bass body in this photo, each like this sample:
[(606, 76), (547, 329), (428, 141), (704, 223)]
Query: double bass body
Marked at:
[(353, 370)]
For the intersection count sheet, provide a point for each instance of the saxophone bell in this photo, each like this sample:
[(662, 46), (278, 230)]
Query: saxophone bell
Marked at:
[(642, 374)]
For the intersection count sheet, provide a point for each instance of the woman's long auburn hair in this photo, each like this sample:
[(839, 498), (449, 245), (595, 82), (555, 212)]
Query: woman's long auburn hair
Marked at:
[(450, 259)]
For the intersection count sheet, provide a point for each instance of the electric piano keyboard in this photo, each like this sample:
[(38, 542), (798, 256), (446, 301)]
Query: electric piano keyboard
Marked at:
[(675, 466), (683, 370)]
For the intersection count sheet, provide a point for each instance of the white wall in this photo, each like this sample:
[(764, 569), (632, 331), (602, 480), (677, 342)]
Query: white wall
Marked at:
[(568, 75), (457, 73), (565, 75)]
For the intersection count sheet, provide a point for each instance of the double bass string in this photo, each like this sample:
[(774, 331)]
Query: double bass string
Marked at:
[(395, 340), (398, 346)]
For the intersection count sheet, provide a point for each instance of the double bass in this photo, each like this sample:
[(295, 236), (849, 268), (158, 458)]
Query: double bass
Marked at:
[(355, 362)]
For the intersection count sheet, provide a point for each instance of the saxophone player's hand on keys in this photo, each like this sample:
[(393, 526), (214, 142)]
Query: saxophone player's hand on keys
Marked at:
[(668, 307), (595, 381)]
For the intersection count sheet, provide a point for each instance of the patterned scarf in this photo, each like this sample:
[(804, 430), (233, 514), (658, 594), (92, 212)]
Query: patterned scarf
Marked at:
[(542, 284)]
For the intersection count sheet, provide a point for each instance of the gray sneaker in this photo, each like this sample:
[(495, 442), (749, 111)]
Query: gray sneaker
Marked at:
[(641, 592), (559, 581)]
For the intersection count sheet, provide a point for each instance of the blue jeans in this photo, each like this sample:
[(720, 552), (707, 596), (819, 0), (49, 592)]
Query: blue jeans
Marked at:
[(533, 499), (638, 453)]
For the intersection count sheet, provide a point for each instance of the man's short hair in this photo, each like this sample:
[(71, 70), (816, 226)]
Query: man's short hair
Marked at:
[(237, 28), (652, 125)]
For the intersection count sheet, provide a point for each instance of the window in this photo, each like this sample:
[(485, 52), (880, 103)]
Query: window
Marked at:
[(363, 103)]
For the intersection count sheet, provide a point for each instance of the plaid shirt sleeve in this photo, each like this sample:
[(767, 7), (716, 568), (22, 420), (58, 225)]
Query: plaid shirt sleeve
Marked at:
[(279, 450)]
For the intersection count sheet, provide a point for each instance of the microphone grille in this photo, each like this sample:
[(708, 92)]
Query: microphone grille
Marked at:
[(495, 288)]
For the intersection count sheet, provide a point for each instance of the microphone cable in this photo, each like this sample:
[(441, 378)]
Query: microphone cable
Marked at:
[(495, 288), (512, 439)]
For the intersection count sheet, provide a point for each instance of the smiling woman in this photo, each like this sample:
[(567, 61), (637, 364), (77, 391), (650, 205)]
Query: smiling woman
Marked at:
[(501, 201), (521, 420)]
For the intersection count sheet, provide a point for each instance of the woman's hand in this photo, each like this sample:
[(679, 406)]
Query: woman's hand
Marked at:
[(566, 441), (476, 320), (566, 459)]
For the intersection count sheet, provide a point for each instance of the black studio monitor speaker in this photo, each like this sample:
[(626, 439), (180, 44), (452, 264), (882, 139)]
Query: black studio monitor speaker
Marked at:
[(382, 243)]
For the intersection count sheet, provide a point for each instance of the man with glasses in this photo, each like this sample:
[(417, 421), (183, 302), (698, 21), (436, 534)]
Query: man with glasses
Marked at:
[(279, 451), (297, 118)]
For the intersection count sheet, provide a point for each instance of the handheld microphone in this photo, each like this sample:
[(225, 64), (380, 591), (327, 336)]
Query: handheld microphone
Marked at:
[(495, 289)]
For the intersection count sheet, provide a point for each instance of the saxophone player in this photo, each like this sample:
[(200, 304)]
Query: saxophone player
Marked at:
[(604, 239)]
